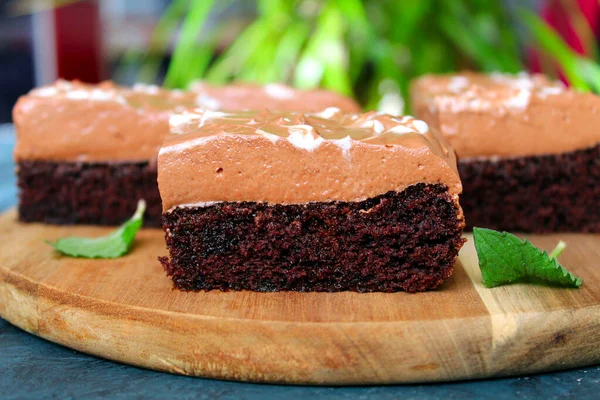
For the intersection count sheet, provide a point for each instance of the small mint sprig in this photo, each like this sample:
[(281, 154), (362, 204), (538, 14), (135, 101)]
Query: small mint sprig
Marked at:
[(504, 258), (113, 245)]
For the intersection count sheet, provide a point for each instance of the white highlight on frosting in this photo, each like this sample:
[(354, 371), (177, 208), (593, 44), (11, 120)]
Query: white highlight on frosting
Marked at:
[(272, 138), (207, 115), (146, 88), (401, 129), (551, 91), (421, 126), (77, 94), (185, 145), (208, 102), (373, 124), (455, 105), (300, 133), (525, 83), (279, 91), (178, 121), (345, 144), (327, 113), (521, 100), (475, 98), (519, 80), (47, 91), (62, 87), (304, 137), (95, 95), (458, 83)]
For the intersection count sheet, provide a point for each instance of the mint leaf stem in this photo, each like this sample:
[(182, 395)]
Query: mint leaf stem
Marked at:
[(560, 247)]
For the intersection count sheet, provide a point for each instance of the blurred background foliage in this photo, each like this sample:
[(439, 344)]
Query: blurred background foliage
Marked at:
[(581, 71), (368, 49)]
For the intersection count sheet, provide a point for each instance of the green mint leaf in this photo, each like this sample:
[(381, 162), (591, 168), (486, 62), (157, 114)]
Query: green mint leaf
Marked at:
[(113, 245), (504, 258)]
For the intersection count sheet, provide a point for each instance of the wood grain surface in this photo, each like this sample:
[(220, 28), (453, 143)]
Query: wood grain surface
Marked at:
[(126, 310)]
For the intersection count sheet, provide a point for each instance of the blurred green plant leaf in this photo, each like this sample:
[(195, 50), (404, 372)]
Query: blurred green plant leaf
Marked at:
[(478, 37), (231, 61), (185, 56), (289, 49), (590, 71), (553, 45), (149, 60), (325, 59), (372, 48)]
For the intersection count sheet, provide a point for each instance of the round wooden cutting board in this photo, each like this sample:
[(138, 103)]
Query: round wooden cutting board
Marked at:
[(126, 310)]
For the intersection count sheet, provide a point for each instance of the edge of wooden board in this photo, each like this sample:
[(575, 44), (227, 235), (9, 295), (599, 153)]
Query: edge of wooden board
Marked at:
[(340, 353)]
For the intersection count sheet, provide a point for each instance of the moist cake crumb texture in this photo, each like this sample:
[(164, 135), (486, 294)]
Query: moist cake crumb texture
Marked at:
[(397, 241), (86, 193), (553, 193)]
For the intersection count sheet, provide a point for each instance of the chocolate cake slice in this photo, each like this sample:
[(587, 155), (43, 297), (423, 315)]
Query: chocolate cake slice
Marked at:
[(87, 153), (528, 148), (308, 202)]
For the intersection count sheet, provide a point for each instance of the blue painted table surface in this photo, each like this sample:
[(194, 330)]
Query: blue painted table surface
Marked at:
[(31, 367)]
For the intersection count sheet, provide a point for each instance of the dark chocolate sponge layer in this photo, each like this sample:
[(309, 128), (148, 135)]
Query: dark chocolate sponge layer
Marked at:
[(86, 193), (405, 240), (551, 193)]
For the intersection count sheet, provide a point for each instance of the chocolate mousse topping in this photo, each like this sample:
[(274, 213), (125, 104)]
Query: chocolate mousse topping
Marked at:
[(291, 158), (507, 115), (74, 121), (272, 96)]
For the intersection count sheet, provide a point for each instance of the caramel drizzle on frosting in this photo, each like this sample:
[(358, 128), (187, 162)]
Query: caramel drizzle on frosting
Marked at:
[(305, 131)]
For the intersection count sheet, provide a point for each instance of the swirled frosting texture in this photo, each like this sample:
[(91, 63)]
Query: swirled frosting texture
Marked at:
[(500, 115), (73, 121), (295, 158)]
